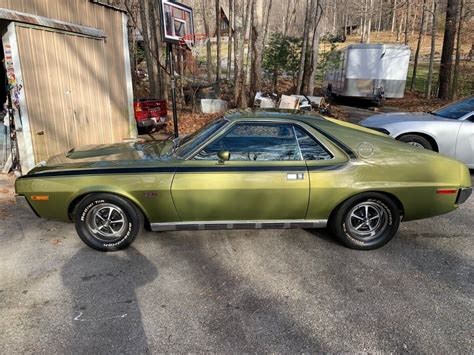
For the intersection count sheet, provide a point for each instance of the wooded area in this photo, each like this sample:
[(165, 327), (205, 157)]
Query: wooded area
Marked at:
[(286, 46)]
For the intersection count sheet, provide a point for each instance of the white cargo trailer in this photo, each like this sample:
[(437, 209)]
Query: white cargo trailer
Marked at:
[(372, 71)]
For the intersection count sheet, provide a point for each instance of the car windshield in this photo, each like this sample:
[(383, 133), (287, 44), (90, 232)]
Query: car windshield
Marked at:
[(457, 109), (189, 143)]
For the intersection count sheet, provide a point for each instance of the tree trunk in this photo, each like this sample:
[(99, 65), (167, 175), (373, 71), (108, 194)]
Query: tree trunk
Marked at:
[(267, 22), (369, 21), (309, 47), (257, 29), (407, 22), (434, 30), (155, 30), (418, 46), (315, 49), (457, 61), (379, 23), (448, 49), (237, 34), (218, 41), (346, 22), (364, 23), (299, 86), (399, 30), (229, 42), (239, 85), (413, 23), (394, 12), (208, 44), (245, 69), (147, 45), (287, 18)]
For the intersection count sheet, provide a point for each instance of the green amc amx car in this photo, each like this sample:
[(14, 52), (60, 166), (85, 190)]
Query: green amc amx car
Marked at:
[(249, 169)]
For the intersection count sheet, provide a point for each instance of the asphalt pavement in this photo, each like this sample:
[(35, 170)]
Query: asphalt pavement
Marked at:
[(235, 291)]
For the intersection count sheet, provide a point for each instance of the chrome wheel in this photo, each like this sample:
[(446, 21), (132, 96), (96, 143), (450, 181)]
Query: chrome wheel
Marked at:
[(367, 220), (106, 222), (417, 145)]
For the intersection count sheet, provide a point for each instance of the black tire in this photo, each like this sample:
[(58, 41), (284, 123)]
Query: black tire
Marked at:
[(145, 130), (107, 222), (417, 141), (344, 221)]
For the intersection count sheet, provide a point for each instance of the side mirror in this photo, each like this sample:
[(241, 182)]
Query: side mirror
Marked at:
[(223, 155), (471, 118)]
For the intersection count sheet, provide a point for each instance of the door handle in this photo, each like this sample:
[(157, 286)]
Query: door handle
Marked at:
[(295, 176)]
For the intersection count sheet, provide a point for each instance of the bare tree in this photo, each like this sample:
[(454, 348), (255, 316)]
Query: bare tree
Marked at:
[(407, 23), (421, 34), (257, 30), (144, 15), (231, 34), (434, 30), (369, 21), (379, 21), (299, 86), (266, 23), (445, 69), (208, 44), (394, 13), (239, 81), (364, 22), (457, 61), (314, 49), (290, 15), (218, 41)]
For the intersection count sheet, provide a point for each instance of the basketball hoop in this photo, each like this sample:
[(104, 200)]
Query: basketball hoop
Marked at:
[(196, 42)]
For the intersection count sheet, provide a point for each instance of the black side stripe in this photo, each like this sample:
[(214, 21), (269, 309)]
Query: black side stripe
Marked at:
[(190, 169)]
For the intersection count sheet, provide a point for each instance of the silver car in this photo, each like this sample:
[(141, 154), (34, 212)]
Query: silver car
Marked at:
[(449, 130)]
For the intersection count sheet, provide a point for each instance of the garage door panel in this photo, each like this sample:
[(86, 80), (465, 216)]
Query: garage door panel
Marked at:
[(66, 86)]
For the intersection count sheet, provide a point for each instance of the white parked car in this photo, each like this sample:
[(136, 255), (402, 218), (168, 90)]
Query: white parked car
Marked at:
[(449, 130)]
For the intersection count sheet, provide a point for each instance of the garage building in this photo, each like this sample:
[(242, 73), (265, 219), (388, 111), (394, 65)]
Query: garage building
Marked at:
[(68, 68)]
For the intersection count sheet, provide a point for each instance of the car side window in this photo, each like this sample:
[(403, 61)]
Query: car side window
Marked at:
[(310, 148), (255, 142)]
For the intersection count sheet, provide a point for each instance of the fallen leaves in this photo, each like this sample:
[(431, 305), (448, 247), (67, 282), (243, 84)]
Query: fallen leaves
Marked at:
[(189, 122), (416, 102)]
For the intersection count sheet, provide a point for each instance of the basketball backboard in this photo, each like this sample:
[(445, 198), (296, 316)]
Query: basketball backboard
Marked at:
[(177, 21)]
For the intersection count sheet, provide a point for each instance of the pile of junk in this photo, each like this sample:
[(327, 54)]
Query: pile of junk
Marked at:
[(292, 102)]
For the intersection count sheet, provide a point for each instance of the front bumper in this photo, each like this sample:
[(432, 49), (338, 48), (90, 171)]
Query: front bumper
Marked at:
[(463, 195), (25, 205)]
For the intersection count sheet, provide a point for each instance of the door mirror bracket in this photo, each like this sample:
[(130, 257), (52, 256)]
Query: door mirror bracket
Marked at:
[(223, 155)]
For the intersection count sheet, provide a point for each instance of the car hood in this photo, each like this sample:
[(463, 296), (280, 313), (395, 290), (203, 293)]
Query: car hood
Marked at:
[(386, 118), (106, 155)]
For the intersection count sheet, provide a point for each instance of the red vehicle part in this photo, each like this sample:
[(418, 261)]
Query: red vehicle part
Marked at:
[(150, 113)]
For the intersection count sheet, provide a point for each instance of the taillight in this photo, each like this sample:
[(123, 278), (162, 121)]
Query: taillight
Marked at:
[(138, 107), (446, 191)]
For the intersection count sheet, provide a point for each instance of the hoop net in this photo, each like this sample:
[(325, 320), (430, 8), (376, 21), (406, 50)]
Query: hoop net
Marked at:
[(195, 43)]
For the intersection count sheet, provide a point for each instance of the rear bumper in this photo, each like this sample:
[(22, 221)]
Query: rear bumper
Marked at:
[(151, 123), (25, 205), (463, 195)]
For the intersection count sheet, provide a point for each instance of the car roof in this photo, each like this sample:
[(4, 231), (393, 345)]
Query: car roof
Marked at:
[(265, 114)]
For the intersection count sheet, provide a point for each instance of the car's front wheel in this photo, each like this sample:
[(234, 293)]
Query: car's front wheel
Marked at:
[(416, 141), (107, 222), (366, 221)]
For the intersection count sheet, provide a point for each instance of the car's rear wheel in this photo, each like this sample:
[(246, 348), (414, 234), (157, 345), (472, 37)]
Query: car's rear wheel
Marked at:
[(107, 222), (416, 141), (366, 221)]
